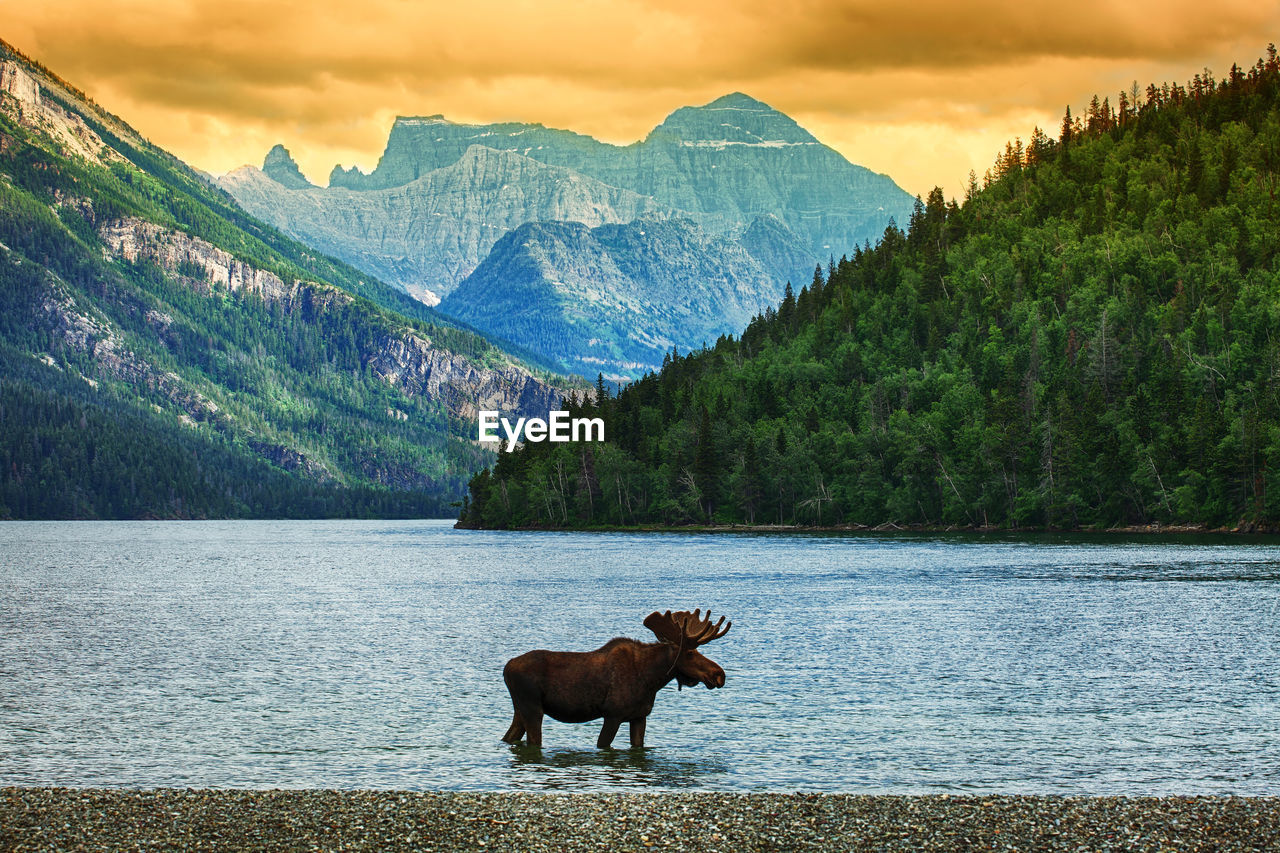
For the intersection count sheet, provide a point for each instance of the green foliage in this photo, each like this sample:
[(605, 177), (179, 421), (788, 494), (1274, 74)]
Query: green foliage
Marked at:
[(128, 389), (1092, 339), (69, 453)]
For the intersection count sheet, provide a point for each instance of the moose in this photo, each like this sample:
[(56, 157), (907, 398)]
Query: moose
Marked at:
[(617, 681)]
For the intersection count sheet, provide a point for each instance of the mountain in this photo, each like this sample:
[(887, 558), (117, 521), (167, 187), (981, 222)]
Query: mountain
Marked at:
[(443, 194), (280, 167), (429, 234), (418, 145), (612, 299), (164, 355), (722, 165), (1089, 341), (778, 250)]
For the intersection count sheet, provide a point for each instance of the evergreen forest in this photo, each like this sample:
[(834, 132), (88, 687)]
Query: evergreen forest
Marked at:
[(1090, 340)]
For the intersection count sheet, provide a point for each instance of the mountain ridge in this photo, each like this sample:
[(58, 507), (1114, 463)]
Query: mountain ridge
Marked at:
[(481, 196), (672, 164), (162, 354)]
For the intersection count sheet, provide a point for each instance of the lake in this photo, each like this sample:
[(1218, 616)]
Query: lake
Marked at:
[(345, 654)]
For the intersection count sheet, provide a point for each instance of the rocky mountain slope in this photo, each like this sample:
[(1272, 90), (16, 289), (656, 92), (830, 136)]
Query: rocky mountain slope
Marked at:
[(613, 299), (741, 173), (162, 354)]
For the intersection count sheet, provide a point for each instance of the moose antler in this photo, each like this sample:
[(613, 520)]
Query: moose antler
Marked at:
[(684, 629), (700, 631), (665, 627)]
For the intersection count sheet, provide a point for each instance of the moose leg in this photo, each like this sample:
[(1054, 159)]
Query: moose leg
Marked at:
[(637, 732), (607, 731), (516, 731), (533, 725)]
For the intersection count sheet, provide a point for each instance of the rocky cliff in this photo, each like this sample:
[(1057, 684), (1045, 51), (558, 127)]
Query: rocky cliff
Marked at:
[(22, 96), (401, 356)]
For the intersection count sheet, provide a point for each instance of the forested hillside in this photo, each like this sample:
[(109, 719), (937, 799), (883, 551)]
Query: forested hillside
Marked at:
[(163, 354), (1091, 339)]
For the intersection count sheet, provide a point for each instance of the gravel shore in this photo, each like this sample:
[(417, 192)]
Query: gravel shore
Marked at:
[(98, 819)]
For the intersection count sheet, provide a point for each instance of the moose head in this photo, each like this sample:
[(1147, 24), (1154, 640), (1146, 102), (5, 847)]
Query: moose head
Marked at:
[(686, 631), (618, 681)]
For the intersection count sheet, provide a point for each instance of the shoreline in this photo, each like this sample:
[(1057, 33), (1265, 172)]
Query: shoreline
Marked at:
[(891, 528), (799, 529), (38, 818)]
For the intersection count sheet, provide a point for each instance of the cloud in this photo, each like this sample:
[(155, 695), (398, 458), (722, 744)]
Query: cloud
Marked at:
[(219, 81), (942, 35)]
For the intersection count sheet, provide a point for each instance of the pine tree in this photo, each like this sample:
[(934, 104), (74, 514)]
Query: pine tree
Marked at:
[(706, 465), (787, 310)]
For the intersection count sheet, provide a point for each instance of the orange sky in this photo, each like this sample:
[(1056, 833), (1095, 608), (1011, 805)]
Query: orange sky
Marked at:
[(924, 91)]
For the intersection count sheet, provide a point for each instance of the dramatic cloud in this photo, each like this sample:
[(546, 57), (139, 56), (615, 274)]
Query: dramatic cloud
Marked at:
[(922, 91)]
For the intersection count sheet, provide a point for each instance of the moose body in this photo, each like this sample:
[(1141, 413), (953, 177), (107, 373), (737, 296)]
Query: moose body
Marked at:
[(617, 682)]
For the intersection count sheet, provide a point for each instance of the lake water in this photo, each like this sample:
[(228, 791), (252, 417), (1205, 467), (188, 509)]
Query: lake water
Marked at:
[(369, 654)]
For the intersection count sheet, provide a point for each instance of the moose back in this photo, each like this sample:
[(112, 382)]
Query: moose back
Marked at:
[(617, 682)]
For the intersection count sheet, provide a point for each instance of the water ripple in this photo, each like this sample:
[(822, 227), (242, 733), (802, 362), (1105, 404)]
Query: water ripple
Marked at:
[(369, 654)]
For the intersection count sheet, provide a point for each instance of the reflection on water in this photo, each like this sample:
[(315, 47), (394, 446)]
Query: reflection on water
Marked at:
[(370, 654), (617, 769)]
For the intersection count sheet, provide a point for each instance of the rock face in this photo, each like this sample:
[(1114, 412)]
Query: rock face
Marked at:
[(420, 145), (779, 250), (136, 239), (758, 196), (723, 165), (43, 114), (19, 84), (613, 299), (429, 234), (404, 357), (281, 168)]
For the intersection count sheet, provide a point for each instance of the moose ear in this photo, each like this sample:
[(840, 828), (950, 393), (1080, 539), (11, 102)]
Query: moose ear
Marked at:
[(664, 627)]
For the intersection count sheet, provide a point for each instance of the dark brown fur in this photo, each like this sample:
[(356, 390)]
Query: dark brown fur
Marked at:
[(617, 682)]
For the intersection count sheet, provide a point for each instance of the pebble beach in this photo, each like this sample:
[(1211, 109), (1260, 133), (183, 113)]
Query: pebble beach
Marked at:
[(156, 820)]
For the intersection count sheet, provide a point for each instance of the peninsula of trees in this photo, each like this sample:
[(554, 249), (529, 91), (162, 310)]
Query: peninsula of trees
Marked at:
[(1091, 339)]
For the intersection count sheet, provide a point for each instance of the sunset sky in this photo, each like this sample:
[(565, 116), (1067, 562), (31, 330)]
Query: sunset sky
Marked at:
[(922, 91)]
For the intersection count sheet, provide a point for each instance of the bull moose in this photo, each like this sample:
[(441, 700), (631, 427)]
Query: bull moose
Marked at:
[(618, 681)]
